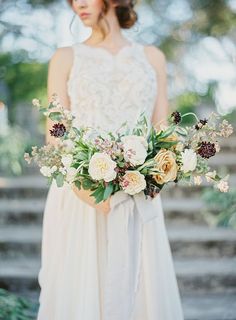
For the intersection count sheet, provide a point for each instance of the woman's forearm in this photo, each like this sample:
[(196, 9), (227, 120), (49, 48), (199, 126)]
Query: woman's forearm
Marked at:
[(85, 196)]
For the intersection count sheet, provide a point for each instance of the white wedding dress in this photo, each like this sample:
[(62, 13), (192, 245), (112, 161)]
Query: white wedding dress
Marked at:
[(117, 266)]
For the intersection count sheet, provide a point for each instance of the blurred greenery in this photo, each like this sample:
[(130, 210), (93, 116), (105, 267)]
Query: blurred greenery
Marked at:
[(14, 307), (13, 145), (220, 207), (25, 79)]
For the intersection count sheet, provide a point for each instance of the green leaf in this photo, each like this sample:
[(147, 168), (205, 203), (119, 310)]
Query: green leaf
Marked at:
[(108, 190), (78, 184), (60, 179), (55, 116), (98, 194), (86, 183)]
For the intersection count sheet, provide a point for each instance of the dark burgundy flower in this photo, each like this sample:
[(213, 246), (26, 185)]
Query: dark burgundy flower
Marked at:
[(176, 117), (206, 149), (58, 130), (204, 121), (200, 124)]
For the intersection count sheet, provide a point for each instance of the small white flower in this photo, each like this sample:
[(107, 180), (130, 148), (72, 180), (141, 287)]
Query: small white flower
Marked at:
[(179, 147), (101, 166), (46, 171), (70, 175), (217, 146), (36, 102), (197, 180), (223, 186), (53, 169), (135, 149), (67, 160), (133, 182), (189, 159), (46, 113), (62, 170)]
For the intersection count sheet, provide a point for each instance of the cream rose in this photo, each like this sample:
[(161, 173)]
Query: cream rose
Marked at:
[(135, 149), (165, 162), (133, 182), (189, 159), (101, 166)]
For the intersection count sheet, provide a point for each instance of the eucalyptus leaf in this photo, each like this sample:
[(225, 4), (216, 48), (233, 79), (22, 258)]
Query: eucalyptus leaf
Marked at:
[(55, 116), (59, 179)]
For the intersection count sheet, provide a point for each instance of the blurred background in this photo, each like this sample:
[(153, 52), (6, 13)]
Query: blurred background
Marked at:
[(199, 41)]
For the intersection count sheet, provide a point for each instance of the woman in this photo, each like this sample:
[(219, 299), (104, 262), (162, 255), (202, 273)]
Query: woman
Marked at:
[(102, 261)]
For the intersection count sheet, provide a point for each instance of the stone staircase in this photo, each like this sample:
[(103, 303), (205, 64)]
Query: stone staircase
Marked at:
[(204, 257)]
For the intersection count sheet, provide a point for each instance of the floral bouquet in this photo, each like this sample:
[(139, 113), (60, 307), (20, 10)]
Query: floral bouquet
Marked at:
[(137, 160)]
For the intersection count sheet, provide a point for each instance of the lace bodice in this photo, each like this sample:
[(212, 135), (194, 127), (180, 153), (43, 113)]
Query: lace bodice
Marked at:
[(108, 89)]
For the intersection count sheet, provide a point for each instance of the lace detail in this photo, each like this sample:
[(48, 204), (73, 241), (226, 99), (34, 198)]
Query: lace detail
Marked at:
[(108, 89)]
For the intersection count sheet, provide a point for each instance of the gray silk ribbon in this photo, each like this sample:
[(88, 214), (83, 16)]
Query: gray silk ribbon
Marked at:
[(124, 235)]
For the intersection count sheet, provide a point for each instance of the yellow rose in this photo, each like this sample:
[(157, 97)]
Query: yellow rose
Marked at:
[(165, 162)]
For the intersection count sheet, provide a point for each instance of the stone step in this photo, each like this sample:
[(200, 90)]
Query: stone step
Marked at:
[(193, 275), (20, 211), (224, 160), (201, 275), (196, 306), (213, 306), (19, 241), (227, 144), (31, 186)]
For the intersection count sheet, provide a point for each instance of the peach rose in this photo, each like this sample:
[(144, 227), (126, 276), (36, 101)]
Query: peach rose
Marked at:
[(165, 162)]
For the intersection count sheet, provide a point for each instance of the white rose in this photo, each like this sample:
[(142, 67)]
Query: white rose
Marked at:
[(135, 149), (46, 171), (67, 160), (101, 166), (133, 182), (189, 159)]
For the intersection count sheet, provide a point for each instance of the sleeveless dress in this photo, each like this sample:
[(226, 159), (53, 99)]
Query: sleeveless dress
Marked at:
[(117, 266)]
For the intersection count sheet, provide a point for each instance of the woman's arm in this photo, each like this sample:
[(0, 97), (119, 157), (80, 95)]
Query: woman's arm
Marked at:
[(161, 108), (58, 73)]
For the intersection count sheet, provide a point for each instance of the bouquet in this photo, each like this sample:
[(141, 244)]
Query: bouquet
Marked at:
[(135, 160)]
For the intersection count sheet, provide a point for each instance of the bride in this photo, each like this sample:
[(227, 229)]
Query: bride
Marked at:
[(112, 260)]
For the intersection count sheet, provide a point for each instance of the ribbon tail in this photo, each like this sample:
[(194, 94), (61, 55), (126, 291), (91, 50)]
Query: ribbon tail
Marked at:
[(124, 234)]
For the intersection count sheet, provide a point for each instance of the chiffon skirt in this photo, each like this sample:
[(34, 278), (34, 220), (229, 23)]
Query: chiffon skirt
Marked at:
[(74, 264)]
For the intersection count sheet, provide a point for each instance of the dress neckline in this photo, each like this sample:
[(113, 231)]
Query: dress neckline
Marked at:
[(103, 50)]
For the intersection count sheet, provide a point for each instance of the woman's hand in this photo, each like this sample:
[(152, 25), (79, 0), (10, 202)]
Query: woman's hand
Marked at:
[(103, 207)]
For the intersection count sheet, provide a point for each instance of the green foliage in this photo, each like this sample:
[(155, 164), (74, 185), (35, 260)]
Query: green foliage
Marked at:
[(14, 307), (24, 80), (223, 205), (13, 145)]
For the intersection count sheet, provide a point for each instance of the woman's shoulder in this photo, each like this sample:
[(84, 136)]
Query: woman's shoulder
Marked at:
[(62, 58), (156, 56), (62, 53)]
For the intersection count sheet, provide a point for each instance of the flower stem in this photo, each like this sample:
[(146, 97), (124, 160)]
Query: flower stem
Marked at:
[(190, 113)]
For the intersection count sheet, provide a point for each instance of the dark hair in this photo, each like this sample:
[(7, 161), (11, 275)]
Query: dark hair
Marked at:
[(125, 13)]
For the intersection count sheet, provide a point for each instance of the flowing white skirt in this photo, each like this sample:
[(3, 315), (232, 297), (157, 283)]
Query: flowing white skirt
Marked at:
[(74, 265)]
